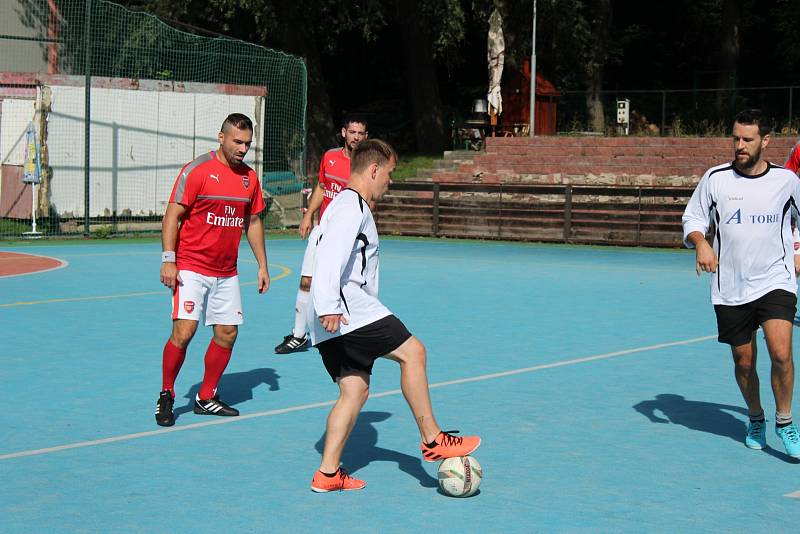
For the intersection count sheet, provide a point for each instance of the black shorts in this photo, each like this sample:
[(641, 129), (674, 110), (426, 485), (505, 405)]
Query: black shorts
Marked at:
[(736, 324), (358, 350)]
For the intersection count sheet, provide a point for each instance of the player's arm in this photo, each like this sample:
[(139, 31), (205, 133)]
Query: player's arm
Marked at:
[(696, 221), (314, 204), (255, 236), (169, 240)]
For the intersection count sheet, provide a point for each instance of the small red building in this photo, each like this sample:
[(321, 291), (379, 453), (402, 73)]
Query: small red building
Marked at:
[(516, 91)]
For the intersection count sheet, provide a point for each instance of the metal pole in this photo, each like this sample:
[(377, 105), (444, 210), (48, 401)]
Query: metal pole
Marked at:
[(533, 75), (87, 114)]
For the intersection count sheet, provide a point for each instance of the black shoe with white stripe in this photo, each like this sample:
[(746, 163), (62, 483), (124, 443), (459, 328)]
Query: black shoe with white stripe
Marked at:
[(292, 344), (213, 406), (164, 415)]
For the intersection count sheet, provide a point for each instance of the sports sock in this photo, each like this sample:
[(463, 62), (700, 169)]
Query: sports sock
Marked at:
[(434, 442), (171, 366), (329, 475), (300, 311), (783, 419), (757, 418), (217, 359)]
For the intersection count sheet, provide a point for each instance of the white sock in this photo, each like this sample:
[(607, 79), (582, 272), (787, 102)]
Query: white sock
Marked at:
[(783, 418), (301, 312)]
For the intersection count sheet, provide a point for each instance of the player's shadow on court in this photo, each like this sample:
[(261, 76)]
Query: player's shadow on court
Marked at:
[(235, 388), (362, 449), (704, 417)]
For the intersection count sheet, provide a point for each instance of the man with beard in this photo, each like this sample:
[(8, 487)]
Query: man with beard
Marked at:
[(751, 202), (214, 198), (334, 173)]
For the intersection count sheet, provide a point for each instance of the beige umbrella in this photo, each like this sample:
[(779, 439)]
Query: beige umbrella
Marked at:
[(495, 54)]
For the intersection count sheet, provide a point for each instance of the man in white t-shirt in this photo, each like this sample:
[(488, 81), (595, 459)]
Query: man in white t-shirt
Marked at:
[(352, 328), (751, 202)]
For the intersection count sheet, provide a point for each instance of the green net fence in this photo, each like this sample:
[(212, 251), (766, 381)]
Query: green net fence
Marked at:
[(157, 99)]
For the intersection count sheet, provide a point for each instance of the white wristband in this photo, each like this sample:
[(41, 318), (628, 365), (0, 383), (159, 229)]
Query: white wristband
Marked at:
[(168, 256)]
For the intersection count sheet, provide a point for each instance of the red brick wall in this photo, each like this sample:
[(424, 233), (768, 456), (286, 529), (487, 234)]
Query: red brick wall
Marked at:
[(602, 160)]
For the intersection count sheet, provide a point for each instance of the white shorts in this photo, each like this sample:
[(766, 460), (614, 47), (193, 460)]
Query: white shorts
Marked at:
[(311, 252), (219, 297)]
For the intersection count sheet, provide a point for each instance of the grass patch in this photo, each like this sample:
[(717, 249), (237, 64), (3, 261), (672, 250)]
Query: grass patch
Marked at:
[(407, 166)]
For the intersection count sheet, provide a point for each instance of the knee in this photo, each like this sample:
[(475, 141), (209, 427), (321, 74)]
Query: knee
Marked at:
[(305, 283), (417, 353), (182, 334), (356, 395), (225, 336), (744, 365), (782, 359)]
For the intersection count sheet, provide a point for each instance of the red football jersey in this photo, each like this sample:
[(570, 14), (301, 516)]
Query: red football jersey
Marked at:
[(793, 163), (334, 175), (219, 199)]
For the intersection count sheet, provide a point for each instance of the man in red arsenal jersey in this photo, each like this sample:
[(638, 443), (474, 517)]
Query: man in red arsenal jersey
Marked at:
[(334, 175), (215, 197), (793, 164)]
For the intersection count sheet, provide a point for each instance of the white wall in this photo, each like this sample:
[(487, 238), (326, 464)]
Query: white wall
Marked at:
[(155, 134), (15, 115)]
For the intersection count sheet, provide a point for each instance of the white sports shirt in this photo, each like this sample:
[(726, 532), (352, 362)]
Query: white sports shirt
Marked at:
[(753, 239), (346, 267)]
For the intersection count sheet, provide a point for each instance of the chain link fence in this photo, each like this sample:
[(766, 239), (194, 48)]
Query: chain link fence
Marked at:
[(153, 98), (702, 112)]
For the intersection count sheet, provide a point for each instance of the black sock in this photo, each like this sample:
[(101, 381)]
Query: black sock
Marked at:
[(758, 418), (781, 425), (329, 475)]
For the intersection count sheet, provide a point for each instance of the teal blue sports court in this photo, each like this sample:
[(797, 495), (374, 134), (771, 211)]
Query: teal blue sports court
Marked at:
[(593, 375)]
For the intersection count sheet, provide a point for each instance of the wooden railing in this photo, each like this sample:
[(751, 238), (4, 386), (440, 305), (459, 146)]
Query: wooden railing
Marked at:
[(594, 214)]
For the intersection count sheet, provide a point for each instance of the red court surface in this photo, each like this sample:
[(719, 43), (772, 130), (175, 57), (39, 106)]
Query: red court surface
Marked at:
[(17, 263)]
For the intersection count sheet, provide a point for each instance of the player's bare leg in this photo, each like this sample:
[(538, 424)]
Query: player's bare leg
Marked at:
[(779, 343), (744, 360), (412, 357), (353, 393)]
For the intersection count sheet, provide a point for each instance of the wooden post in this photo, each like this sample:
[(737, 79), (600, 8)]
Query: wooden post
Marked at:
[(567, 212), (436, 209)]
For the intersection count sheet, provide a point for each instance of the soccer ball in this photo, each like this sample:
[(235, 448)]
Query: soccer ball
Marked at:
[(460, 476)]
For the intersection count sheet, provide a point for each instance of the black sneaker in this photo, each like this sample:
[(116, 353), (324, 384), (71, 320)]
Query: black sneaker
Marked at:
[(292, 344), (164, 415), (213, 406)]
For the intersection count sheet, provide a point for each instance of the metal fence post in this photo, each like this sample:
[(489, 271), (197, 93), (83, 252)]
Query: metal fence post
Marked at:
[(87, 43)]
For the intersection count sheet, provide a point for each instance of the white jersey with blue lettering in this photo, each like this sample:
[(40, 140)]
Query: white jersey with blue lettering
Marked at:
[(753, 238), (345, 279)]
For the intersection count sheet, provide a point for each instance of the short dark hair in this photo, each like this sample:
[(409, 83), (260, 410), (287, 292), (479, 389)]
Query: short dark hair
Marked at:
[(757, 117), (371, 151), (352, 117), (237, 120)]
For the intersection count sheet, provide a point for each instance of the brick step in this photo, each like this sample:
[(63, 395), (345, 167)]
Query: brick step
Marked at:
[(493, 143)]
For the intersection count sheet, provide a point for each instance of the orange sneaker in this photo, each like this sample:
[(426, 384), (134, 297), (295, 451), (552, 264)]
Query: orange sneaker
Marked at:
[(446, 445), (341, 481)]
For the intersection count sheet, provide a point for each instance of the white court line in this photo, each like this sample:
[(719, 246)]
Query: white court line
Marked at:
[(227, 420)]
